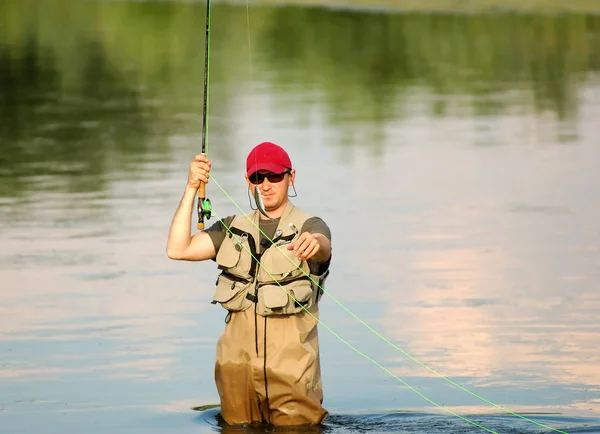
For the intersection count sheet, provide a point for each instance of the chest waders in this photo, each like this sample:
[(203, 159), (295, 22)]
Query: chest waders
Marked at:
[(272, 377)]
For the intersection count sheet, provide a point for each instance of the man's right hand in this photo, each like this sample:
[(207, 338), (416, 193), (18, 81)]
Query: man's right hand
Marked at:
[(199, 170)]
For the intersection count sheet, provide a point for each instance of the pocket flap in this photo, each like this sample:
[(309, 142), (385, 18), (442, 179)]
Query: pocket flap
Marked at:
[(227, 289), (274, 296), (229, 253), (302, 292), (279, 262)]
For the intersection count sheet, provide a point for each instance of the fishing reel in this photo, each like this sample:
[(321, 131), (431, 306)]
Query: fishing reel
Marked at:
[(204, 211)]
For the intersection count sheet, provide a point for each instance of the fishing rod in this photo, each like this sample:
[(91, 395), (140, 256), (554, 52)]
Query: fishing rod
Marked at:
[(204, 205)]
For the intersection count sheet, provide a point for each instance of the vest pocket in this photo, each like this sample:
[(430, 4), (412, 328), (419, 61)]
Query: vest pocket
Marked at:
[(274, 299), (231, 292), (278, 263), (236, 253)]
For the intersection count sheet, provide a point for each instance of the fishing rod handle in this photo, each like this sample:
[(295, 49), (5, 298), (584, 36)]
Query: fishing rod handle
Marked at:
[(201, 197)]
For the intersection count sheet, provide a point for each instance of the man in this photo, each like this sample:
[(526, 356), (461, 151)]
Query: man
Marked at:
[(273, 267)]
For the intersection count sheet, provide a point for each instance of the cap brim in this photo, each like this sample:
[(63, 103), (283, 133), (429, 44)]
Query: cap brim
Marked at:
[(271, 167)]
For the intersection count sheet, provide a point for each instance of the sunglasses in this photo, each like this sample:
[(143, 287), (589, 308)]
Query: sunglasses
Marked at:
[(258, 178)]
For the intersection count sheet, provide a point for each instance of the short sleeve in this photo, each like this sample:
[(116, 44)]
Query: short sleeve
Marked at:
[(218, 231), (316, 225)]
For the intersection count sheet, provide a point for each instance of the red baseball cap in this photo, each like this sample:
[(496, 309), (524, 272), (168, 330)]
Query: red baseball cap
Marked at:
[(267, 156)]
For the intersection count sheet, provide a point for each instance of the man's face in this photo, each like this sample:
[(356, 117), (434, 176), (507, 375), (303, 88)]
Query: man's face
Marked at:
[(273, 187)]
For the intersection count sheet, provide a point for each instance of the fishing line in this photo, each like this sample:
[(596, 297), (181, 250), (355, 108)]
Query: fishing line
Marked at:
[(249, 44), (349, 344), (384, 339), (204, 133), (257, 197)]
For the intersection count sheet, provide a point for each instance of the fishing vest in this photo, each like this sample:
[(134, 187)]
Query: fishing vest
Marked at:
[(276, 281)]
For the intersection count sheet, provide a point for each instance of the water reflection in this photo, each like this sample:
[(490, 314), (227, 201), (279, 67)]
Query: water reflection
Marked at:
[(367, 64), (480, 288), (479, 227), (104, 101), (60, 139)]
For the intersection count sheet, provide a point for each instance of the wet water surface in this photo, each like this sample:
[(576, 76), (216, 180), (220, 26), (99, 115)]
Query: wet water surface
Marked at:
[(453, 156)]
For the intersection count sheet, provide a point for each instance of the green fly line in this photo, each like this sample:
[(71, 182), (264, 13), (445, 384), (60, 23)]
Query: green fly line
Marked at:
[(205, 127), (352, 346), (383, 338)]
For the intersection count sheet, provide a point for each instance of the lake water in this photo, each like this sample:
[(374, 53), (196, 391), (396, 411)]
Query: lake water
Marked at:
[(454, 157)]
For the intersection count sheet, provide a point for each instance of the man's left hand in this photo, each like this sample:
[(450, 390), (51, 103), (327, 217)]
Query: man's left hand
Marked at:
[(306, 246)]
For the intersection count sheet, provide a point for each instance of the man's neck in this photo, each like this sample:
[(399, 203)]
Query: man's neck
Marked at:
[(272, 215), (275, 214)]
